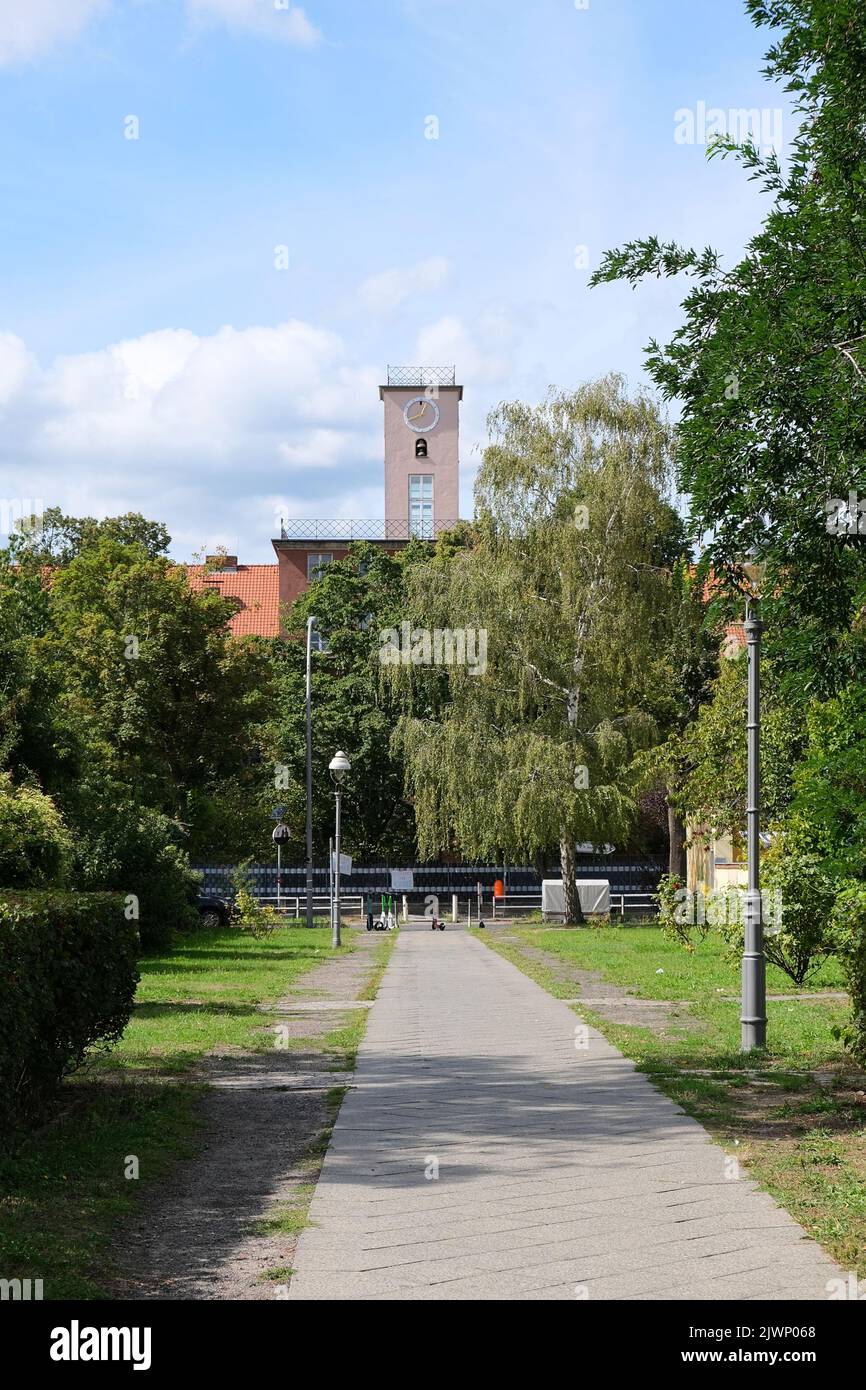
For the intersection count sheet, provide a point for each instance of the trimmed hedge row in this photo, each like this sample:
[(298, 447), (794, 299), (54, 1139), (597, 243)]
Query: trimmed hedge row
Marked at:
[(68, 972)]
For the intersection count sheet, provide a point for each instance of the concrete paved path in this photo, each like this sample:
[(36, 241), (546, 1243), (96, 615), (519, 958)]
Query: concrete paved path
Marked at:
[(562, 1173)]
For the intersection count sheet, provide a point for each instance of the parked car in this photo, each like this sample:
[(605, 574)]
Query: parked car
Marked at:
[(213, 911)]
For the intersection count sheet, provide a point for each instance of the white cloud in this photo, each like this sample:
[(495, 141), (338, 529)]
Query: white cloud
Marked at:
[(274, 19), (29, 28), (325, 448), (196, 430), (479, 357), (388, 290), (16, 364)]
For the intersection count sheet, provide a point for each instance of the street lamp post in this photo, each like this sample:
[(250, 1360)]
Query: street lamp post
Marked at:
[(311, 622), (753, 1017), (338, 767)]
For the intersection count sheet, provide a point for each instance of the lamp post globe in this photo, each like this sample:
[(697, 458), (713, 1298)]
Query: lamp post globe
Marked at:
[(339, 768)]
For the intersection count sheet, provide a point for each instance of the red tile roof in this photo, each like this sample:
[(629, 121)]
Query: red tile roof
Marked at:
[(257, 587)]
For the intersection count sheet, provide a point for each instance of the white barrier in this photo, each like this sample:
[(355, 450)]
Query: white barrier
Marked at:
[(351, 904), (622, 903)]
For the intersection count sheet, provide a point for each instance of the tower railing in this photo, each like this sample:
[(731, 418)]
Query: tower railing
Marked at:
[(342, 528), (422, 376)]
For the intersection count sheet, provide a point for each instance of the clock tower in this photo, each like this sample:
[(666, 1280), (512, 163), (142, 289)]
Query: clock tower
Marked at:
[(422, 459)]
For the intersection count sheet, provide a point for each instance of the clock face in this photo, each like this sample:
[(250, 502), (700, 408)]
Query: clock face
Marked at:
[(421, 414)]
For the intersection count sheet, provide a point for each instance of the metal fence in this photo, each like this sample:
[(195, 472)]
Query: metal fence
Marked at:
[(626, 875), (348, 529), (422, 376)]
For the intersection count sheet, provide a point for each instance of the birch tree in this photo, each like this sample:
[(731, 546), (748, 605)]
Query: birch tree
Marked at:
[(566, 577)]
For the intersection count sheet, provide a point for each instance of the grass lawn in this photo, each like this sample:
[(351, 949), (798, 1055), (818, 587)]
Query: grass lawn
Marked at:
[(63, 1189), (633, 957), (204, 995), (795, 1116)]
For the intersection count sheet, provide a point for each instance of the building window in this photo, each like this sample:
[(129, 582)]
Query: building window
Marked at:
[(420, 448), (316, 562), (318, 643), (421, 505)]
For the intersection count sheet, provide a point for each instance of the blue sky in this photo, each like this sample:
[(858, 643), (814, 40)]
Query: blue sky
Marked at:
[(152, 354)]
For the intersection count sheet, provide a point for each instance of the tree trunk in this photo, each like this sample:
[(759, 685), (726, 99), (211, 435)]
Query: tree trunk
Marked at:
[(677, 844), (573, 910)]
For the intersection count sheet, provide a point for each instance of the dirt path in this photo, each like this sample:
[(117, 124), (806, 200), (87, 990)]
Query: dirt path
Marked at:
[(226, 1224)]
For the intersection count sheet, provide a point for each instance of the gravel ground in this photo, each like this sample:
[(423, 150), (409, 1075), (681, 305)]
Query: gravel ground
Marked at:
[(196, 1236)]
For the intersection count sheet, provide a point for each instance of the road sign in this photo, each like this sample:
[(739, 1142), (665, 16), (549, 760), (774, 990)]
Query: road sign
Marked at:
[(278, 812)]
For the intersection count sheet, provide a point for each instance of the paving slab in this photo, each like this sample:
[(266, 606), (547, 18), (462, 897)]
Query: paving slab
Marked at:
[(494, 1147)]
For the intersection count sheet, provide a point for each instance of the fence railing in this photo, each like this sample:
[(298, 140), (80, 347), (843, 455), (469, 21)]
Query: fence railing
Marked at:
[(422, 376), (347, 529), (506, 905), (351, 905), (635, 902)]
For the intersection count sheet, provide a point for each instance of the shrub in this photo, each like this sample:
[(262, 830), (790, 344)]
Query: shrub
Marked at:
[(251, 916), (849, 936), (802, 938), (135, 852), (677, 916), (34, 842), (797, 899), (67, 981)]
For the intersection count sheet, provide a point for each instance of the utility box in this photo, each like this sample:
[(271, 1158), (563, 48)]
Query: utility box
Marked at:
[(593, 893)]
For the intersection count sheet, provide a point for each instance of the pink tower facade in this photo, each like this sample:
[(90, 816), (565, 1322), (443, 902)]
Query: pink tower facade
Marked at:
[(422, 482), (422, 449)]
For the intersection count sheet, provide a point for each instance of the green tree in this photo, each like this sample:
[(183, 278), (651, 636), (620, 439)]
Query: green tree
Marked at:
[(770, 361), (709, 783), (830, 781), (352, 600), (686, 664), (167, 702), (55, 539), (142, 854), (569, 578), (34, 744)]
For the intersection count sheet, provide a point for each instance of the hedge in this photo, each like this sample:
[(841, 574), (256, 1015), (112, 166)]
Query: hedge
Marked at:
[(68, 972)]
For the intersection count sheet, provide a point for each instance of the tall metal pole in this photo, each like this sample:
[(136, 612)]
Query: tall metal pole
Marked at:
[(335, 936), (311, 622), (331, 883), (753, 1019)]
